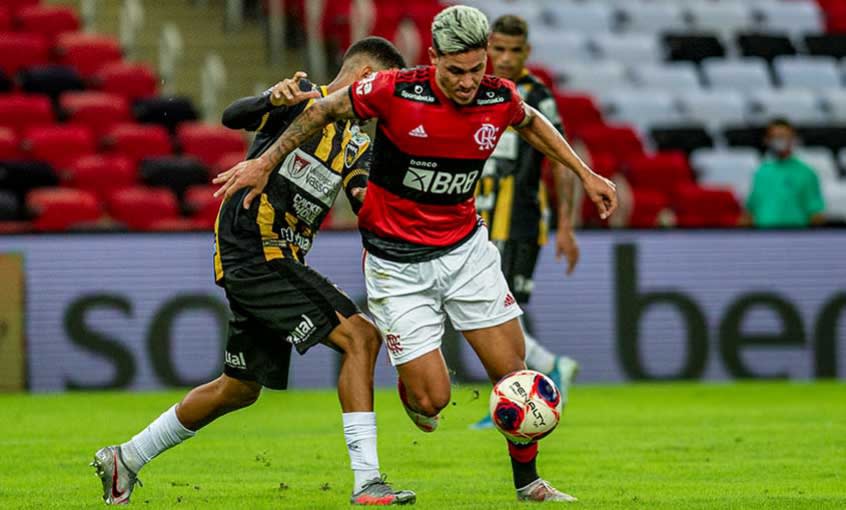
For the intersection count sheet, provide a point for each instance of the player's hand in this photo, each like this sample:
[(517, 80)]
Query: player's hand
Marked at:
[(288, 93), (252, 174), (567, 246), (602, 192)]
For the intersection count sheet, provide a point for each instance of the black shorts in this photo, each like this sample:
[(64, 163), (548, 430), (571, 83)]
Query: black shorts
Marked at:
[(275, 306), (519, 259)]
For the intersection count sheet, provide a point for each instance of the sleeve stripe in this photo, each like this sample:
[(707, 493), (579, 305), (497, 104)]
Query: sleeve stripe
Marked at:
[(355, 173)]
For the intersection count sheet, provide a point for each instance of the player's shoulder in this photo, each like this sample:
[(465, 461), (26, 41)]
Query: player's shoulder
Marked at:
[(494, 90), (415, 85)]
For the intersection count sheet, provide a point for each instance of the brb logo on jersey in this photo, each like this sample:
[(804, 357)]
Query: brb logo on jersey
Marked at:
[(486, 137), (431, 180)]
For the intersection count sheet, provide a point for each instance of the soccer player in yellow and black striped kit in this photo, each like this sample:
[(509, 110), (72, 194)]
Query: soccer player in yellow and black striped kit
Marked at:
[(277, 301), (512, 199)]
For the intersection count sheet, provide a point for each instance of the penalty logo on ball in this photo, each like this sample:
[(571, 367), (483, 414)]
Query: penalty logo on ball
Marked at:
[(525, 406)]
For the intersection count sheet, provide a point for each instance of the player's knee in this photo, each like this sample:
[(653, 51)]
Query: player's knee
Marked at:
[(430, 403), (362, 338)]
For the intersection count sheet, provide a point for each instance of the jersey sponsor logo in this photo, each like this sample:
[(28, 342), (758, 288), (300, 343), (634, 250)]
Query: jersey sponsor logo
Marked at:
[(310, 174), (440, 183), (306, 210), (488, 98), (485, 136), (288, 236), (419, 132), (234, 360), (365, 85), (302, 332), (415, 92)]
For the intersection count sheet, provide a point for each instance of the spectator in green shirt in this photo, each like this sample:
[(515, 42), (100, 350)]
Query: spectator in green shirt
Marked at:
[(785, 191)]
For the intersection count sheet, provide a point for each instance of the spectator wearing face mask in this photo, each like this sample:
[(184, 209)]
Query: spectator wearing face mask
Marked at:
[(785, 191)]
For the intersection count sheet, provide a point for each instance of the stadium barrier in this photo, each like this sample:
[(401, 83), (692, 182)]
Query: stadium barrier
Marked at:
[(141, 311)]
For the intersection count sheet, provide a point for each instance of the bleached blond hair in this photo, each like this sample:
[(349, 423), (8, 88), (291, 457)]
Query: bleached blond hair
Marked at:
[(458, 29)]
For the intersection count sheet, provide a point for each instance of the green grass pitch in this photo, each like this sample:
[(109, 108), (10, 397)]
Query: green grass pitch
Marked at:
[(671, 446)]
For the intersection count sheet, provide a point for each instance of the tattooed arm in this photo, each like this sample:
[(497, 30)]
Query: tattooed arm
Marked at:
[(254, 173)]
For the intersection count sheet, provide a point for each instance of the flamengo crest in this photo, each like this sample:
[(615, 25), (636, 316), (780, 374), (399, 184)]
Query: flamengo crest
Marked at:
[(486, 137)]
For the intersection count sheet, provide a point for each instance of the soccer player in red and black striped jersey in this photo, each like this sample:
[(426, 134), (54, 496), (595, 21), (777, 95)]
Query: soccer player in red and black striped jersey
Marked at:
[(429, 256)]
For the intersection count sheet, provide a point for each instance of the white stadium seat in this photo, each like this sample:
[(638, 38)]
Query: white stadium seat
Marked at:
[(834, 102), (586, 18), (744, 75), (723, 18), (821, 160), (529, 11), (554, 46), (714, 109), (817, 73), (835, 200), (732, 167), (673, 77), (596, 77), (652, 18), (794, 17), (641, 108), (797, 105), (627, 48)]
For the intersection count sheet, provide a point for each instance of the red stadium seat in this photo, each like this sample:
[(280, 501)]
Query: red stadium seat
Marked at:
[(141, 207), (18, 51), (202, 204), (5, 19), (57, 209), (21, 111), (208, 142), (647, 207), (15, 5), (131, 80), (47, 20), (99, 111), (101, 174), (58, 145), (620, 140), (9, 144), (698, 207), (227, 161), (137, 141), (177, 225), (662, 172), (15, 227), (87, 53), (577, 111)]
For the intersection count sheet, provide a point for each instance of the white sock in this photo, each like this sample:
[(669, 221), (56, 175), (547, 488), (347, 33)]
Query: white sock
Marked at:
[(360, 434), (164, 433), (537, 357)]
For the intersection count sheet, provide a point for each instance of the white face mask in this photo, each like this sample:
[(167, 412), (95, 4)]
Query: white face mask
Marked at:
[(780, 146)]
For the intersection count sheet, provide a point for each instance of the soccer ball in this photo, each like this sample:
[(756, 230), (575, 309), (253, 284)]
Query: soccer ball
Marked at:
[(525, 406)]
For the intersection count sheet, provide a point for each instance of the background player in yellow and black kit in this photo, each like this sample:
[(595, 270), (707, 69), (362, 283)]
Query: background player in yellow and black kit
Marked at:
[(512, 199), (276, 300)]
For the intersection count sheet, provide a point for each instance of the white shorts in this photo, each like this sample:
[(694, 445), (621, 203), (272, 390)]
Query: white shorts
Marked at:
[(409, 300)]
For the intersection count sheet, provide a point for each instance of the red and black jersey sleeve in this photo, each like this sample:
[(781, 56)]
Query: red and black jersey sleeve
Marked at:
[(371, 96)]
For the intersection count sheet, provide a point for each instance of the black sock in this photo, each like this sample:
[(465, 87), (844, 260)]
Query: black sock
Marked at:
[(524, 473)]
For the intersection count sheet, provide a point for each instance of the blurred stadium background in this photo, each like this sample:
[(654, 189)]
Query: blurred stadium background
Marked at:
[(110, 134)]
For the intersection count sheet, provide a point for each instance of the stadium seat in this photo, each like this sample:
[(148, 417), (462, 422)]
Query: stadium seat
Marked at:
[(131, 80), (14, 6), (208, 142), (21, 111), (50, 79), (47, 20), (713, 108), (683, 138), (98, 111), (177, 225), (743, 75), (15, 227), (699, 207), (647, 208), (137, 141), (795, 17), (642, 108), (835, 201), (9, 144), (821, 160), (830, 136), (174, 172), (168, 111), (58, 145), (815, 73), (595, 78), (674, 77), (731, 168), (765, 46), (141, 207), (549, 45), (202, 205), (619, 140), (724, 18), (693, 47), (87, 53), (834, 104), (19, 51), (577, 110), (651, 18), (10, 207), (663, 172), (496, 8), (826, 45), (101, 174), (797, 105), (604, 163), (841, 159), (5, 19), (632, 47), (5, 82), (745, 136), (226, 161), (58, 209), (588, 18), (20, 176)]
